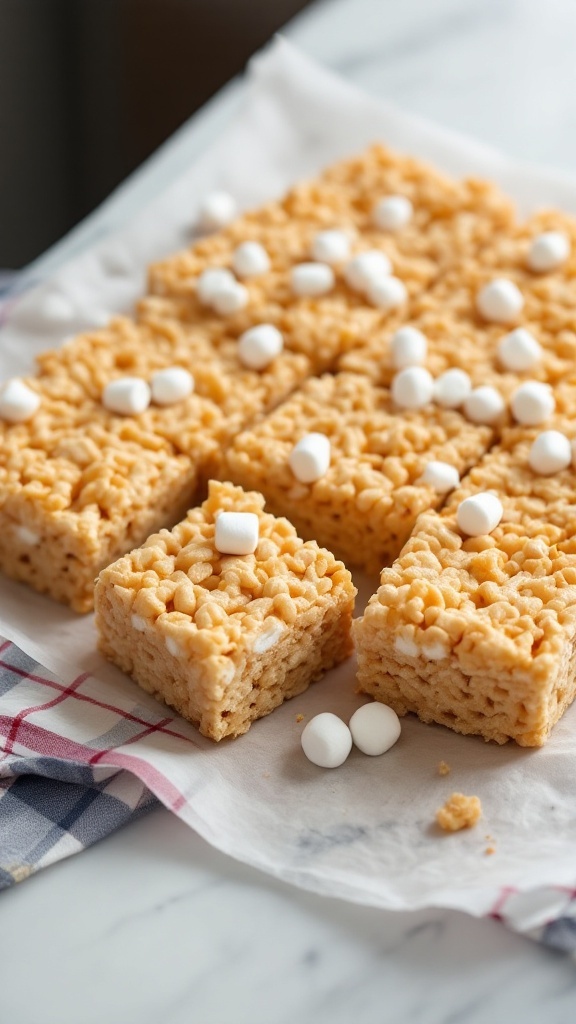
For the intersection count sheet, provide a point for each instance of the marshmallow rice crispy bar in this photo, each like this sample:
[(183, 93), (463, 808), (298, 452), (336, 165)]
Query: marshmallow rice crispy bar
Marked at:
[(478, 633), (451, 219), (366, 504), (224, 639), (79, 485)]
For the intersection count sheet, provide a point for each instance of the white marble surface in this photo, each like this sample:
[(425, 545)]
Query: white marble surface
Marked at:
[(153, 925)]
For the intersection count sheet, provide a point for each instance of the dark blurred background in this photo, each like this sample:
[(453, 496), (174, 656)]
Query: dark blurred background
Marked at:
[(89, 88)]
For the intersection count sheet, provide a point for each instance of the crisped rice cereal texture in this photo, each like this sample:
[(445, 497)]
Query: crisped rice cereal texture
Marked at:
[(478, 634), (225, 639), (365, 506)]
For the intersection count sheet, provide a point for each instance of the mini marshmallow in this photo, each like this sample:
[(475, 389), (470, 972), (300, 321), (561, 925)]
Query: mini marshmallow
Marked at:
[(230, 298), (56, 308), (211, 281), (18, 402), (387, 293), (310, 458), (408, 347), (259, 345), (312, 279), (519, 350), (27, 536), (441, 476), (250, 259), (484, 405), (392, 213), (127, 396), (479, 514), (171, 385), (532, 403), (375, 728), (548, 251), (550, 453), (326, 740), (452, 388), (331, 246), (366, 268), (216, 210), (412, 388), (237, 533), (500, 301)]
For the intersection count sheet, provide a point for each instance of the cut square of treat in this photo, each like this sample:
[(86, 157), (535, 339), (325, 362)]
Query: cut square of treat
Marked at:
[(364, 506), (224, 639), (477, 633), (80, 485)]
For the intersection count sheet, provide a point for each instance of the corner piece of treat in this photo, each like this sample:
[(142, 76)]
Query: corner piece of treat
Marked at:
[(224, 639)]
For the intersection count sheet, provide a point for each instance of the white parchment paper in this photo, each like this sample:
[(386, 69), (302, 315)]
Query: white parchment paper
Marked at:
[(364, 832)]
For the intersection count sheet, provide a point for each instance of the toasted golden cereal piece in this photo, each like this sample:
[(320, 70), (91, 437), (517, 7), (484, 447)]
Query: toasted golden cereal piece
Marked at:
[(365, 505), (459, 812), (477, 633), (224, 639)]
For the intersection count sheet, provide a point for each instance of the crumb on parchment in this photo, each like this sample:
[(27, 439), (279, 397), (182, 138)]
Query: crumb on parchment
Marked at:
[(459, 812), (299, 718), (444, 768)]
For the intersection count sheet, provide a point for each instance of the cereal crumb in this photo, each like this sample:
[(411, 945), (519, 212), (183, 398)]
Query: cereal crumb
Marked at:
[(299, 718), (459, 812), (444, 768), (490, 850)]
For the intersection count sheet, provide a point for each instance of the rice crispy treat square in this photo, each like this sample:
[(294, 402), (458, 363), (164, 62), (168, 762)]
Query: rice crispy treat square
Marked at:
[(125, 348), (365, 506), (478, 634), (452, 219), (79, 485), (459, 339), (225, 639)]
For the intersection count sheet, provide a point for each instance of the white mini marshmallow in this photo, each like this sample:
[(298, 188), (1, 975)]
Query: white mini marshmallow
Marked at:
[(272, 632), (479, 514), (409, 347), (500, 301), (519, 350), (216, 210), (326, 740), (366, 268), (138, 623), (211, 281), (331, 246), (171, 385), (312, 279), (56, 308), (237, 533), (392, 213), (250, 259), (406, 647), (259, 345), (484, 405), (310, 458), (548, 251), (532, 403), (27, 536), (230, 298), (412, 388), (387, 293), (127, 396), (375, 728), (452, 388), (18, 402), (441, 476), (550, 453)]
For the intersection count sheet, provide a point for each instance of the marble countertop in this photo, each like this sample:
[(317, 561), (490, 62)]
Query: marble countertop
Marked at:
[(154, 925)]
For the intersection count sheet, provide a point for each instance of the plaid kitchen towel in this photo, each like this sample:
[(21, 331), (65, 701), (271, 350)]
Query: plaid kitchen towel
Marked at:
[(51, 807)]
